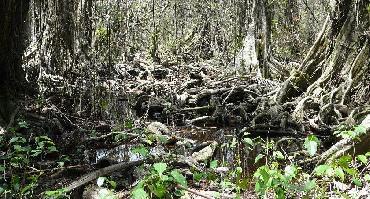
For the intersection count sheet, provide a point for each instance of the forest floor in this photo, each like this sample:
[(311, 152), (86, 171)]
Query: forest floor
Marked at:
[(213, 127)]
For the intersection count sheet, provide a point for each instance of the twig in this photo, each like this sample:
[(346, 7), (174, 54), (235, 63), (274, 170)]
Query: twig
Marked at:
[(102, 172), (193, 191)]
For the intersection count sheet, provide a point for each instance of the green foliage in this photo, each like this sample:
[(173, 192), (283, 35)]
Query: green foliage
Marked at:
[(310, 144), (290, 180), (19, 153), (271, 178), (57, 194), (352, 133), (141, 150), (160, 182)]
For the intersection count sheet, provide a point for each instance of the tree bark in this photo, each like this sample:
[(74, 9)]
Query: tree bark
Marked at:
[(256, 45), (13, 14), (339, 55)]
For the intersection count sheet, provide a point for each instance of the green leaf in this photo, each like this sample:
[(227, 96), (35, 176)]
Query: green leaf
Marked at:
[(52, 149), (321, 169), (309, 185), (160, 167), (351, 171), (248, 141), (310, 144), (367, 177), (14, 140), (159, 189), (360, 129), (113, 184), (362, 158), (344, 161), (259, 156), (278, 155), (139, 193), (340, 173), (290, 171), (357, 182), (213, 164), (179, 178), (141, 150), (199, 176)]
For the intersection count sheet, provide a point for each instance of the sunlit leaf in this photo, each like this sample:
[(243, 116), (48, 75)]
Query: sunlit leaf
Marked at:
[(248, 141), (139, 193), (290, 171), (339, 172), (357, 182), (259, 156), (310, 144), (309, 185), (160, 167), (367, 177), (179, 178), (362, 158), (213, 164), (321, 169), (278, 155)]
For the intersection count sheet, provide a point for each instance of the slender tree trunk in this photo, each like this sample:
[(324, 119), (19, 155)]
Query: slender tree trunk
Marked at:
[(256, 44), (13, 14)]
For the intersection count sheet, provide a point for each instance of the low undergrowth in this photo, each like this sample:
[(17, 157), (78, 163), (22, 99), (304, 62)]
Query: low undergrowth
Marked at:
[(280, 174)]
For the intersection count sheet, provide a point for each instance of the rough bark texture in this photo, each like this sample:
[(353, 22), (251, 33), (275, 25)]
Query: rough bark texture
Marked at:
[(256, 45), (13, 14), (335, 75), (339, 55)]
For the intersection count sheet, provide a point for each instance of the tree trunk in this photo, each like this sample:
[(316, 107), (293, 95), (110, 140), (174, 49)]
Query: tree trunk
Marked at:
[(256, 45), (339, 59), (13, 14)]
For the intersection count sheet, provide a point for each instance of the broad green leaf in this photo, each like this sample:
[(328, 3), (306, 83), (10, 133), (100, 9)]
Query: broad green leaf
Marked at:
[(357, 182), (113, 184), (362, 158), (340, 173), (309, 185), (290, 171), (248, 141), (360, 129), (160, 167), (351, 171), (213, 164), (367, 177), (159, 189), (321, 169), (143, 151), (344, 161), (15, 139), (139, 193), (179, 178), (278, 155), (310, 144), (52, 149), (259, 156)]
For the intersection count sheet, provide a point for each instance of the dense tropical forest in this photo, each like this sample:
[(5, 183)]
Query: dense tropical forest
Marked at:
[(106, 99)]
